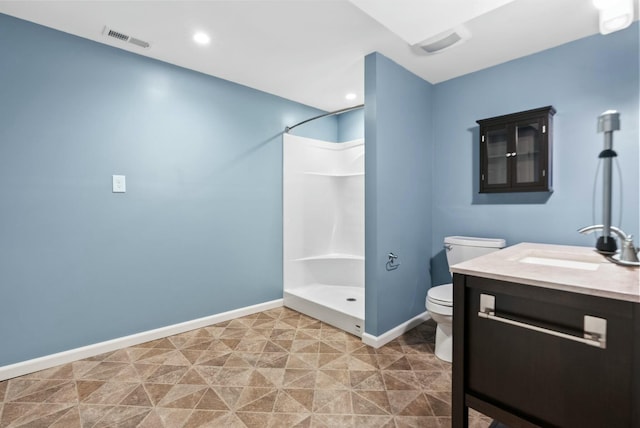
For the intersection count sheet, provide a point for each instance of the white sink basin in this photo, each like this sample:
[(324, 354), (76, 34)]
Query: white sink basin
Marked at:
[(560, 262)]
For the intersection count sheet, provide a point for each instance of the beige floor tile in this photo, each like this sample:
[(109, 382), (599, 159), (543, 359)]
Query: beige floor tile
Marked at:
[(273, 369)]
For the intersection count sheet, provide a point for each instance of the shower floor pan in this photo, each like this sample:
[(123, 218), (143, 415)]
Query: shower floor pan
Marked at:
[(332, 304)]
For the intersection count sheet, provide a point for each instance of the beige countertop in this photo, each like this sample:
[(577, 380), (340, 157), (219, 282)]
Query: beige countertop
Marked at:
[(560, 267)]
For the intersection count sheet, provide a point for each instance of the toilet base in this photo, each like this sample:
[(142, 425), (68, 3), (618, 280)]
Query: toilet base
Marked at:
[(444, 342)]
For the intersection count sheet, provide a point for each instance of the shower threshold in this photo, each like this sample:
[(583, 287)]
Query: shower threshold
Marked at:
[(339, 305)]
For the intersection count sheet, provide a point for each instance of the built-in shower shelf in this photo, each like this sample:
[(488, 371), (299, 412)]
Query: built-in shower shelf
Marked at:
[(334, 174), (331, 256)]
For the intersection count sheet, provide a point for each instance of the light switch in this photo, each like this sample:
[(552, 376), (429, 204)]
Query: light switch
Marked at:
[(119, 184)]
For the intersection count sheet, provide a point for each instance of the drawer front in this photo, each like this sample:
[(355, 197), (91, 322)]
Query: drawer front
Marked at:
[(562, 382)]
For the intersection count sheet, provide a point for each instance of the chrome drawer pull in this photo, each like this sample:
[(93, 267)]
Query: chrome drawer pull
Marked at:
[(595, 329)]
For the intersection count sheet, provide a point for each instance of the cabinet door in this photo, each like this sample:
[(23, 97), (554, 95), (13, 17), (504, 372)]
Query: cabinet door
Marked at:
[(527, 153), (545, 379), (530, 153), (495, 152)]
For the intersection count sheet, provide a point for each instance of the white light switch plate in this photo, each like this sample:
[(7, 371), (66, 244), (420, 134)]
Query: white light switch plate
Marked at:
[(119, 184)]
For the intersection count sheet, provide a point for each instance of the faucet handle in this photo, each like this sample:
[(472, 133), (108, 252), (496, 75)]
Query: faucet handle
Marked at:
[(628, 253)]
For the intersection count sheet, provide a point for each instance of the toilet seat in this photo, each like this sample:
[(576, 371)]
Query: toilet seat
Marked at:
[(441, 295)]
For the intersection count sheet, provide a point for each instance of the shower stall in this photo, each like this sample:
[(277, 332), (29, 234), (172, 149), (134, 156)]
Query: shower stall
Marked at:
[(323, 230)]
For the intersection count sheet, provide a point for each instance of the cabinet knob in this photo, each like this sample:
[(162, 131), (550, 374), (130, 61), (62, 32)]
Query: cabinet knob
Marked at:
[(508, 155)]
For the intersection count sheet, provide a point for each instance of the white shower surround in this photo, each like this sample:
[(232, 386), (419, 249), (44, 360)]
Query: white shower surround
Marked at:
[(323, 230)]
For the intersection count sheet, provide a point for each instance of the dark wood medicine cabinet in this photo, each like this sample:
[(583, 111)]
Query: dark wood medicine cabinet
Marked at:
[(515, 152)]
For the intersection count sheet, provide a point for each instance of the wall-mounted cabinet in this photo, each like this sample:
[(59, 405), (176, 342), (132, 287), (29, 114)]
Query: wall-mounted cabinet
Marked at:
[(515, 152)]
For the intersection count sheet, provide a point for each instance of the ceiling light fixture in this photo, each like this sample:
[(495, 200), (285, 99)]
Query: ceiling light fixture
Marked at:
[(350, 96), (201, 38), (614, 14)]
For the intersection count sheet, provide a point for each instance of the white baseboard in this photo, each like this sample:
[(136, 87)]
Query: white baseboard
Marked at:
[(388, 336), (48, 361)]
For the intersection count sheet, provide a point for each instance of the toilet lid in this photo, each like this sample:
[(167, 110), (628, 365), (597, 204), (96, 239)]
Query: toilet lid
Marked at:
[(441, 295)]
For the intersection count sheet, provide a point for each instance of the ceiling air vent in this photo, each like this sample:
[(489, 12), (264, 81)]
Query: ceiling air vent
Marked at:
[(443, 41), (110, 32)]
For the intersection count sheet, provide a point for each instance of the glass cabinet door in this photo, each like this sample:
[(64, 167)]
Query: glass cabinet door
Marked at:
[(527, 153), (496, 146)]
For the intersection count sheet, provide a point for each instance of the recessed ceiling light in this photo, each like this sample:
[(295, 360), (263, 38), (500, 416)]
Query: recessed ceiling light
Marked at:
[(350, 96), (201, 38)]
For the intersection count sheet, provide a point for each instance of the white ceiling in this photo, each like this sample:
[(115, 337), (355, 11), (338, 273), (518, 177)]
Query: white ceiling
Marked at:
[(312, 51)]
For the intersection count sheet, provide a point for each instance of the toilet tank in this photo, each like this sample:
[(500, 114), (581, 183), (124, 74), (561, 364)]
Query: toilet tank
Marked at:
[(462, 248)]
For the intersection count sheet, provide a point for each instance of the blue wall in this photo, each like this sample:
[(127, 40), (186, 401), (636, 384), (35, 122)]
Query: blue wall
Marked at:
[(580, 79), (398, 192), (351, 125), (199, 230), (202, 156)]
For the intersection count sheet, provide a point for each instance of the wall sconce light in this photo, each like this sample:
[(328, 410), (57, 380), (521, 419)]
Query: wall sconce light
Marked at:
[(614, 14)]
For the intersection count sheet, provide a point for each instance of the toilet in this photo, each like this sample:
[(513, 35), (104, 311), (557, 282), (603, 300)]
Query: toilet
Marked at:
[(439, 300)]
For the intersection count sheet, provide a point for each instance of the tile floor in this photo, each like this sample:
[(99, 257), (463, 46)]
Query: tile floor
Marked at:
[(276, 368)]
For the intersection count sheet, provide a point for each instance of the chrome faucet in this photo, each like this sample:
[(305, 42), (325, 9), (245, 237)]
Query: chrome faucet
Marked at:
[(628, 252)]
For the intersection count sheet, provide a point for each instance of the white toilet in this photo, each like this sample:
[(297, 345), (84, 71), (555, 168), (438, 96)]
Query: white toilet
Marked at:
[(439, 300)]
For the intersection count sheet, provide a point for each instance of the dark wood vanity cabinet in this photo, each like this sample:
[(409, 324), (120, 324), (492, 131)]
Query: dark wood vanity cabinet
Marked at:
[(515, 152), (525, 377)]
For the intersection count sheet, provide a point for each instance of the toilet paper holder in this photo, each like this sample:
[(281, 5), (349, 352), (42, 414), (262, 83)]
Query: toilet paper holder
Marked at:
[(391, 262)]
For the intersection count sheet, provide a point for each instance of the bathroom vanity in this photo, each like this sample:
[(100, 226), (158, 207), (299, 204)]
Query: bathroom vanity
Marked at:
[(546, 335)]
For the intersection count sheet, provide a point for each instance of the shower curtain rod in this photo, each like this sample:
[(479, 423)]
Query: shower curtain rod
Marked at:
[(344, 110)]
